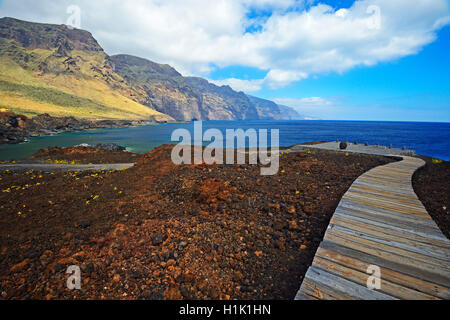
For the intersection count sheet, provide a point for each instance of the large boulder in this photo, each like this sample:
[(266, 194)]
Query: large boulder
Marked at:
[(343, 145), (13, 127), (109, 146)]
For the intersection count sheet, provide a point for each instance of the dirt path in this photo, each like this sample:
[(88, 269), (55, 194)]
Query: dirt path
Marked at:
[(64, 167)]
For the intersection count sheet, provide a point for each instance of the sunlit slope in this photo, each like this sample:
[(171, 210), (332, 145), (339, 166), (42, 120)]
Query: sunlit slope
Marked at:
[(66, 83), (23, 92)]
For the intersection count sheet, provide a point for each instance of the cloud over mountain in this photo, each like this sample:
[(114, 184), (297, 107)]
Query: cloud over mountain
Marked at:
[(291, 40)]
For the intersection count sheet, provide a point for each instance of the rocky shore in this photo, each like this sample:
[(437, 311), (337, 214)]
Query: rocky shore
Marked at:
[(17, 128)]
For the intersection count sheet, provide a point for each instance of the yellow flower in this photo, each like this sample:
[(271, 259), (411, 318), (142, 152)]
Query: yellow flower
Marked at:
[(87, 202), (282, 171), (50, 202), (19, 213), (297, 192), (347, 154), (95, 198)]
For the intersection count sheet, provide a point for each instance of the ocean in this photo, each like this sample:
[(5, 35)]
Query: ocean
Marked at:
[(431, 139)]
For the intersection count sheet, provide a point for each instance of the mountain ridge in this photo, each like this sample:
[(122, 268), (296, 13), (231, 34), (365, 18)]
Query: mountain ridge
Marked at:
[(47, 68)]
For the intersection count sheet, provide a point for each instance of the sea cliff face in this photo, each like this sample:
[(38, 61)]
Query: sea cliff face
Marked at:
[(64, 72), (193, 98)]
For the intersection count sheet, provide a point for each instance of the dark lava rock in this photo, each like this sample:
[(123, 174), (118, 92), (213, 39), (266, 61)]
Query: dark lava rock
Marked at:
[(343, 145), (182, 245), (83, 225), (184, 290), (246, 289), (58, 267), (109, 147), (157, 240), (89, 267), (280, 224)]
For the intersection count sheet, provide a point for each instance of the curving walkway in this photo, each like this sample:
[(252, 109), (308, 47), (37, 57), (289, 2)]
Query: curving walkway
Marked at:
[(381, 222)]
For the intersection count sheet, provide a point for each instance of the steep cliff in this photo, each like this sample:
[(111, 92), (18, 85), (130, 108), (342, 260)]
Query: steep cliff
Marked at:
[(61, 71)]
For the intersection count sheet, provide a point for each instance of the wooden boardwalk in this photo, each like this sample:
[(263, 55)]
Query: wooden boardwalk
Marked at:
[(381, 222)]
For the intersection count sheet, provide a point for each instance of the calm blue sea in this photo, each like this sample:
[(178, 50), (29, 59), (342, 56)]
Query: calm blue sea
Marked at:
[(432, 139)]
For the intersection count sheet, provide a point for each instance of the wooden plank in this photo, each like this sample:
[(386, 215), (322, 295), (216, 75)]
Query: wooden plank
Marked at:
[(389, 179), (383, 221), (304, 296), (386, 228), (411, 208), (386, 197), (441, 275), (392, 247), (373, 218), (381, 261), (381, 192), (399, 185), (390, 226), (349, 204), (379, 233), (361, 278), (347, 287), (321, 291), (388, 206), (404, 280), (405, 191)]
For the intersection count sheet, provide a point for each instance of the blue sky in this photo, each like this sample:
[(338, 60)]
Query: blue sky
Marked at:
[(341, 59), (411, 88), (416, 88)]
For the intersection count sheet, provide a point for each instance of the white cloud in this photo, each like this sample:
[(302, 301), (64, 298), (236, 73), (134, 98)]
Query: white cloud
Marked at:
[(274, 79), (277, 78), (309, 102), (240, 85), (316, 107), (291, 44)]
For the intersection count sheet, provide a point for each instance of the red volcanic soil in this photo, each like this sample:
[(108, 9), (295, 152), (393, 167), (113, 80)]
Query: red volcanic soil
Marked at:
[(84, 155), (432, 185), (161, 231)]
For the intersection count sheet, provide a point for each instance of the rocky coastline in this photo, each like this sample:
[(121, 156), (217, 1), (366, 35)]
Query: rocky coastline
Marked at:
[(16, 128)]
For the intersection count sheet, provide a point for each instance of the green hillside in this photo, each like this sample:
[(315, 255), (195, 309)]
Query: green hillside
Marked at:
[(67, 76)]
